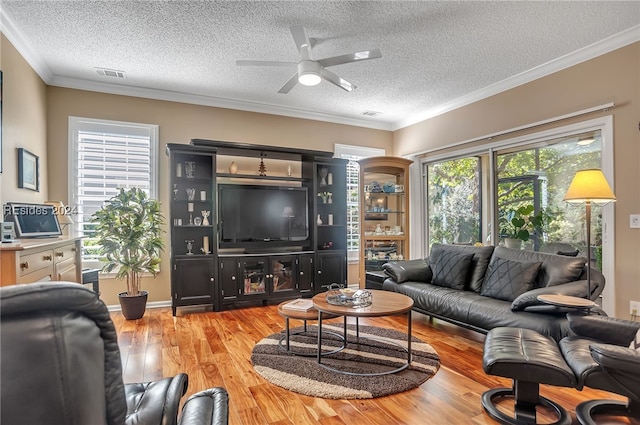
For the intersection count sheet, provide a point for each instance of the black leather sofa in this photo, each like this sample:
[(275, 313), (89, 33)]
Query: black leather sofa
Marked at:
[(482, 288), (60, 364)]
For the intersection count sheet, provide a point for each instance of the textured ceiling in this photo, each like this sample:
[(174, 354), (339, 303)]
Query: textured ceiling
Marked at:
[(435, 55)]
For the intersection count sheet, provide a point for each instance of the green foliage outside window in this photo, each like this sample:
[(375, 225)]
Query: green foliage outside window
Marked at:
[(525, 177), (454, 201)]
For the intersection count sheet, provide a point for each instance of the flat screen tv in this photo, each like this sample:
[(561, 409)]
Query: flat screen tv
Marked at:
[(33, 220), (253, 216)]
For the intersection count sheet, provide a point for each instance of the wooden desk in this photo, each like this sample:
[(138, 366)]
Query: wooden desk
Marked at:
[(32, 260)]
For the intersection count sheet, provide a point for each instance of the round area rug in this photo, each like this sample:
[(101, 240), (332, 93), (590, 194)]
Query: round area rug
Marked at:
[(376, 350)]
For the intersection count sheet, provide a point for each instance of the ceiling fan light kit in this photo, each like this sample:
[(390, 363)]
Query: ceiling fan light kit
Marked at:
[(311, 72)]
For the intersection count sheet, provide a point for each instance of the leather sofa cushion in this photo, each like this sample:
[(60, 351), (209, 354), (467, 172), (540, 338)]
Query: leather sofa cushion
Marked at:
[(479, 262), (507, 279), (403, 271), (555, 269), (451, 269)]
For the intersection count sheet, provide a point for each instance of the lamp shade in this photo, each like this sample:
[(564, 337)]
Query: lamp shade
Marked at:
[(589, 186)]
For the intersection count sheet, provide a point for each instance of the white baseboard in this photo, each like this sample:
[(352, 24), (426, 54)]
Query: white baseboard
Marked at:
[(154, 304)]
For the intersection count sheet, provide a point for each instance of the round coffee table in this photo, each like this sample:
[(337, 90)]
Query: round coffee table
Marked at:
[(384, 303), (304, 316)]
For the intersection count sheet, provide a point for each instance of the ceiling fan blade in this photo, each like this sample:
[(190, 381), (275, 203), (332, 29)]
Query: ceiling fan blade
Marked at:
[(289, 84), (265, 63), (351, 57), (338, 81), (302, 41)]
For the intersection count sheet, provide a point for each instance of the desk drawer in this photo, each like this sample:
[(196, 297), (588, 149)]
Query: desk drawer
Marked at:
[(36, 276), (33, 262), (63, 253)]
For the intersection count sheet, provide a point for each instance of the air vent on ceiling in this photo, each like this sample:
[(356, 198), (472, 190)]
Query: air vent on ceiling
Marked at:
[(110, 73), (371, 113)]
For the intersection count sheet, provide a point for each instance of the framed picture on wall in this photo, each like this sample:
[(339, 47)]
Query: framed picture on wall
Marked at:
[(28, 170)]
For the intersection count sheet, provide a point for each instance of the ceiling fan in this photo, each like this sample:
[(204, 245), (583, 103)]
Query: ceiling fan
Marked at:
[(311, 72)]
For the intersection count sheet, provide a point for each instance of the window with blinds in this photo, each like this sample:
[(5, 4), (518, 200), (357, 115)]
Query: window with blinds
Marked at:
[(104, 157), (353, 154)]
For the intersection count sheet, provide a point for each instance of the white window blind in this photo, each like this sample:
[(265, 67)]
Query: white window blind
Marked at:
[(353, 154), (104, 157)]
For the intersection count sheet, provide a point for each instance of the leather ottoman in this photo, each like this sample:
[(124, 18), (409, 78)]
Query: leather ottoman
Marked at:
[(530, 359)]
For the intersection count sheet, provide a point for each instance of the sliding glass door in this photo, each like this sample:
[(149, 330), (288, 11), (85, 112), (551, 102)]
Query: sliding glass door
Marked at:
[(537, 176)]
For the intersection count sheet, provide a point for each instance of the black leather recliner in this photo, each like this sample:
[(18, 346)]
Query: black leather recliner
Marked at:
[(60, 364), (597, 355), (600, 357)]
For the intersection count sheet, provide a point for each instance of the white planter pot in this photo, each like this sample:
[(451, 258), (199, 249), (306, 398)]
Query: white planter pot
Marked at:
[(513, 243)]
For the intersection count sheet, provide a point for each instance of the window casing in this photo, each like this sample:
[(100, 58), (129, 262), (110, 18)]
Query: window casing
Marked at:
[(105, 156)]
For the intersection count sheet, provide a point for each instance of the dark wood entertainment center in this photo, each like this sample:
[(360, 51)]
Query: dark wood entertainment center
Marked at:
[(209, 270)]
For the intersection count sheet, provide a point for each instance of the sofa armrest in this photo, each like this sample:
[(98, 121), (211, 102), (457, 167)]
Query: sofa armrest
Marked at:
[(609, 330), (404, 271), (208, 407), (576, 288)]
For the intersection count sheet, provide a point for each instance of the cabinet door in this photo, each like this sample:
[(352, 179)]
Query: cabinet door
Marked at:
[(305, 273), (193, 282), (331, 268), (283, 273), (228, 276), (253, 273), (66, 270)]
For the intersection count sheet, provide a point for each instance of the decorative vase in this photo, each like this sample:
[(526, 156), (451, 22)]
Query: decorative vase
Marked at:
[(513, 243), (324, 171), (319, 220), (190, 169), (233, 168)]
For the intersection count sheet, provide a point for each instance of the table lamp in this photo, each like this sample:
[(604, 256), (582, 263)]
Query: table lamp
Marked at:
[(589, 186)]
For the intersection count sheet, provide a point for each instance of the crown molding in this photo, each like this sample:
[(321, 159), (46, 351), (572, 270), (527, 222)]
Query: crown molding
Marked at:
[(14, 35), (594, 50), (194, 99)]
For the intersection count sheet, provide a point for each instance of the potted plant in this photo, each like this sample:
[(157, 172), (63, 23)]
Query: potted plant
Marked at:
[(129, 232), (518, 224)]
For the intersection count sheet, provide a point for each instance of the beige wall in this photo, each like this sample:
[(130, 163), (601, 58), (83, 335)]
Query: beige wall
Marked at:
[(613, 77), (36, 117), (23, 123), (179, 123)]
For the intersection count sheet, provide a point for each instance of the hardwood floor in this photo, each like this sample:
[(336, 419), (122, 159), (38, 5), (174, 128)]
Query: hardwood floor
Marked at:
[(214, 349)]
